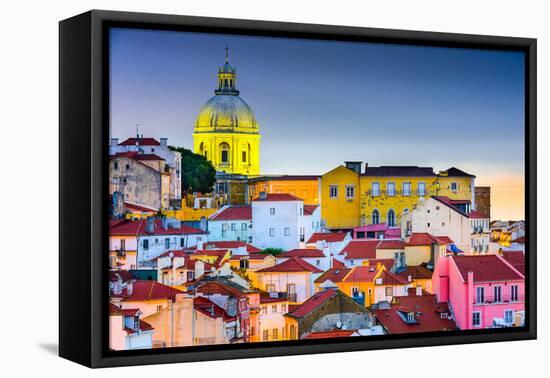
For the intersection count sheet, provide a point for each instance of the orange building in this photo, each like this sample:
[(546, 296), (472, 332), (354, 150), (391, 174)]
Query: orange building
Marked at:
[(304, 187)]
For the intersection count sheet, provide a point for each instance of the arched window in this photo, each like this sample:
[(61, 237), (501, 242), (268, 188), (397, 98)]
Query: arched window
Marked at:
[(405, 211), (375, 217), (202, 150), (224, 153), (391, 218)]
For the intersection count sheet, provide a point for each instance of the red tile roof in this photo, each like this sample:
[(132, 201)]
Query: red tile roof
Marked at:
[(142, 142), (124, 275), (294, 264), (309, 209), (333, 274), (388, 263), (135, 207), (251, 256), (143, 326), (210, 309), (216, 287), (329, 237), (521, 239), (441, 240), (278, 197), (391, 244), (516, 259), (476, 215), (265, 298), (302, 252), (420, 239), (362, 274), (451, 203), (233, 213), (416, 272), (175, 252), (486, 268), (389, 278), (313, 303), (337, 263), (147, 291), (455, 172), (330, 334), (232, 245), (360, 249), (136, 156), (427, 315), (139, 227)]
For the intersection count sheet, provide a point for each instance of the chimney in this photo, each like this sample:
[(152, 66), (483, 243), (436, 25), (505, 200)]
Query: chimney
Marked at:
[(366, 167), (418, 291), (354, 166), (114, 142), (130, 288), (164, 142), (150, 228)]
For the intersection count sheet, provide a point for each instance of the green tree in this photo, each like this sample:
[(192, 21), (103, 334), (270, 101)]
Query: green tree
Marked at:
[(197, 173), (273, 251)]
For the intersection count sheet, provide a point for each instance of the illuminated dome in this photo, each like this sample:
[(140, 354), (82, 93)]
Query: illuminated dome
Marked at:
[(226, 112)]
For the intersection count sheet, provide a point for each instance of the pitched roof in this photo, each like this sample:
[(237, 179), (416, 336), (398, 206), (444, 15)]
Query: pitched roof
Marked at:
[(285, 178), (486, 268), (147, 291), (210, 309), (269, 197), (516, 259), (266, 298), (420, 239), (250, 256), (427, 315), (302, 252), (477, 215), (139, 227), (389, 278), (451, 204), (329, 237), (334, 275), (233, 213), (391, 244), (521, 239), (142, 142), (143, 326), (441, 240), (416, 272), (362, 274), (309, 209), (124, 275), (218, 287), (135, 207), (337, 263), (293, 264), (399, 171), (455, 172), (330, 334), (232, 245), (136, 156), (360, 249), (313, 303)]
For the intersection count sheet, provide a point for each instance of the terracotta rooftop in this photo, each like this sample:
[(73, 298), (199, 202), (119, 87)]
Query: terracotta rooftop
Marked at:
[(455, 172), (390, 244), (360, 249), (233, 213), (399, 171), (334, 275), (142, 142), (210, 309), (416, 272), (313, 303), (516, 259), (521, 239), (278, 197), (330, 334), (486, 268), (139, 227), (362, 274), (389, 278), (232, 245), (148, 291), (293, 264), (329, 237), (304, 252), (451, 204), (309, 209), (420, 239)]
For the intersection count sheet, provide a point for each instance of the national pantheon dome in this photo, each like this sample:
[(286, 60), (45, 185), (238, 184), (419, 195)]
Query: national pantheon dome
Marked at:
[(226, 130)]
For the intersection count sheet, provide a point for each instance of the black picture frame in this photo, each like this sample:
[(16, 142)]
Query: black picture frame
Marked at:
[(83, 153)]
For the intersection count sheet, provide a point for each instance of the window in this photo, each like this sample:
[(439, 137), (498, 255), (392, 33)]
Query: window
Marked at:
[(272, 211), (252, 331), (283, 308), (167, 243), (476, 318), (244, 156), (334, 191), (159, 308), (421, 188), (224, 148), (243, 227), (270, 288), (287, 231), (406, 188), (146, 244), (274, 309), (375, 217), (243, 264), (291, 292), (275, 333), (350, 191), (375, 189), (389, 291), (115, 165), (265, 335), (480, 295), (391, 189), (292, 332), (225, 227), (354, 292), (264, 310), (514, 293), (182, 242), (122, 244), (271, 232), (391, 218), (127, 167), (497, 290), (283, 332), (508, 316), (300, 211), (233, 226), (454, 186), (190, 275)]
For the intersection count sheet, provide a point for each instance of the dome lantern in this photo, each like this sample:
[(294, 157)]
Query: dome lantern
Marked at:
[(227, 77)]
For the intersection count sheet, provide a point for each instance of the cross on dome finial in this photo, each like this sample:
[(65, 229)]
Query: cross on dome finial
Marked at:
[(226, 54)]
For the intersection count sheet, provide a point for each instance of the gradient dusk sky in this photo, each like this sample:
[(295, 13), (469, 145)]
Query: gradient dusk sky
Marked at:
[(320, 103)]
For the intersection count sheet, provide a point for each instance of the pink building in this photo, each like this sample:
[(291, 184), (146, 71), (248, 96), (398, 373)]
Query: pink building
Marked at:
[(483, 291)]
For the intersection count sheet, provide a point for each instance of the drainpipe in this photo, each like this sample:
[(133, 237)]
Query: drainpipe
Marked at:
[(470, 299)]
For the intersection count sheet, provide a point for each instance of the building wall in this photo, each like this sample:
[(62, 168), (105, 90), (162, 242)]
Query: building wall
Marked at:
[(148, 307), (382, 295), (208, 144), (287, 215), (271, 320), (117, 335), (465, 188), (417, 255), (157, 244), (483, 200), (308, 190), (233, 230), (302, 280), (340, 212)]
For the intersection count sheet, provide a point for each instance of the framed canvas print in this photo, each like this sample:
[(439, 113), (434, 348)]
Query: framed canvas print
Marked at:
[(234, 189)]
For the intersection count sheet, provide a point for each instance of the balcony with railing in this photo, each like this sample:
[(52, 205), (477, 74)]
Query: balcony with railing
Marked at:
[(499, 299)]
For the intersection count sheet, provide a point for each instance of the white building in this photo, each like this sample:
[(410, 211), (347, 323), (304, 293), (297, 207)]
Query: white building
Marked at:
[(316, 257), (231, 223), (481, 234), (437, 216), (334, 241), (280, 221), (152, 146)]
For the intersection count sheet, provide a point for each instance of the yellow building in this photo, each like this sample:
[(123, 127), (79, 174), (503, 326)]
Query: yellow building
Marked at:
[(226, 130), (304, 187), (351, 197)]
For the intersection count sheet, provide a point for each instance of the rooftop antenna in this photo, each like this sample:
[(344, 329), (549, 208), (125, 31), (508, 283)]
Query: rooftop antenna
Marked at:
[(137, 133)]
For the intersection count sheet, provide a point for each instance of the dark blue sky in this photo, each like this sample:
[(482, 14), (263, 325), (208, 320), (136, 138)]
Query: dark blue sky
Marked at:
[(319, 103)]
